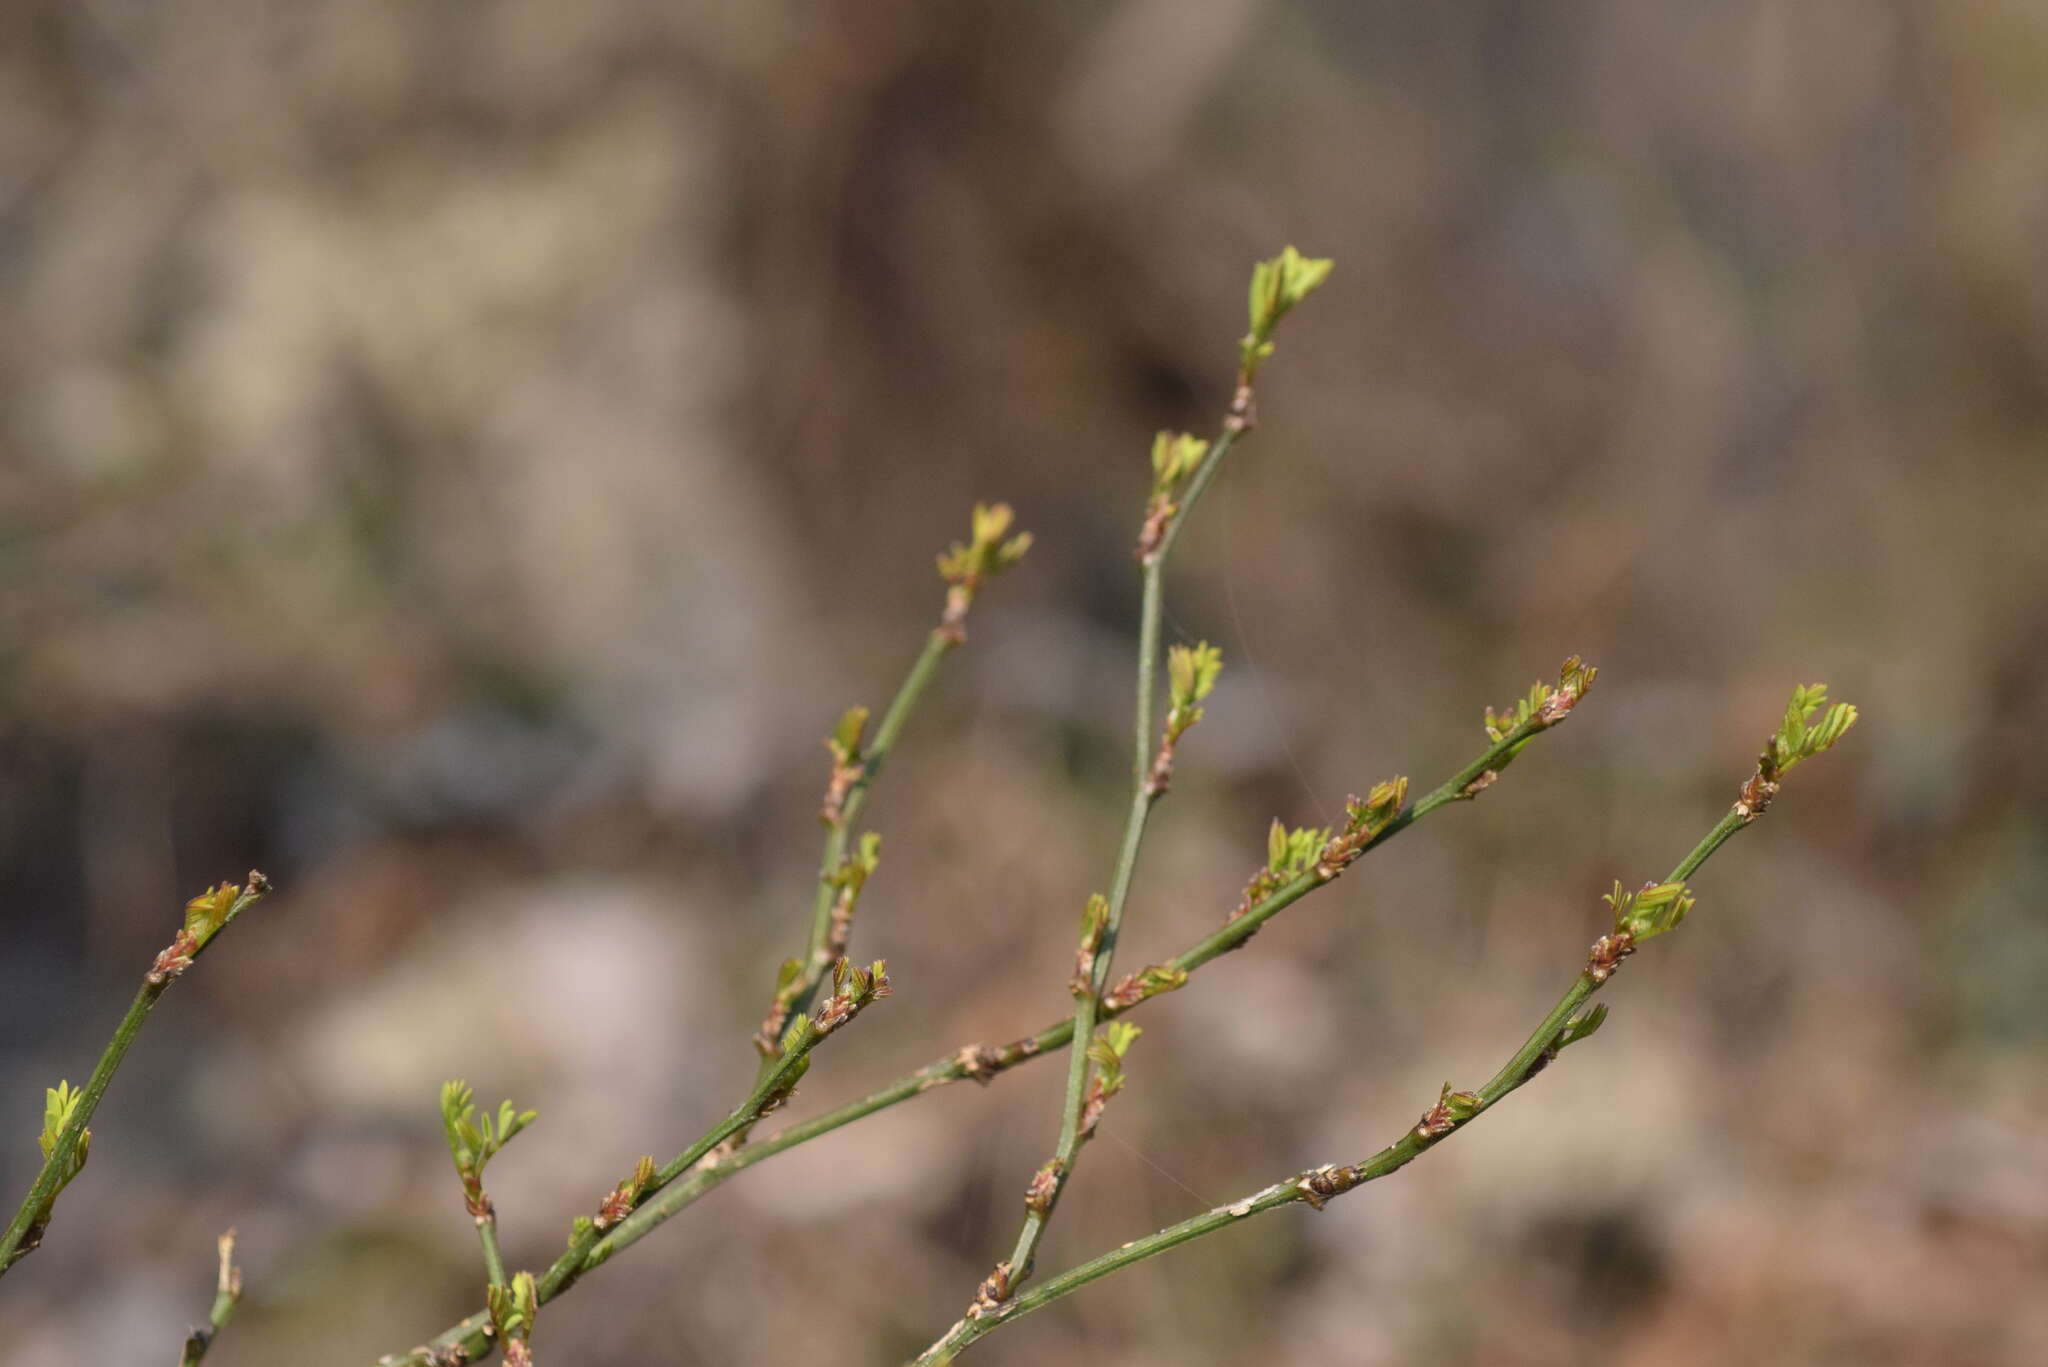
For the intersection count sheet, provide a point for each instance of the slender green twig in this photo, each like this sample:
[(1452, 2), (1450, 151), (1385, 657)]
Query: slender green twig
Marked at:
[(858, 761), (1638, 917), (1183, 468), (624, 1222), (473, 1141), (983, 1063), (1103, 933), (843, 812), (66, 1138), (637, 1204), (227, 1294)]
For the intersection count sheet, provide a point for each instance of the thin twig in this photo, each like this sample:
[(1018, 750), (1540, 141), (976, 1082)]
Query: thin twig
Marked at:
[(1183, 469), (845, 800), (64, 1148), (636, 1206), (857, 763), (1636, 919), (983, 1063), (1559, 1027)]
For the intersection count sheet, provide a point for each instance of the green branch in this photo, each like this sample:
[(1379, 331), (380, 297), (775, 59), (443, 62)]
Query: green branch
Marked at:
[(1183, 467), (66, 1139), (983, 1063), (473, 1142), (857, 761), (647, 1197), (1638, 916)]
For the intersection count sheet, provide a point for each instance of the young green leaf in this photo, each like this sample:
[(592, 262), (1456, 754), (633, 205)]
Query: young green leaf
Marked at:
[(1191, 673), (1277, 286), (211, 910), (60, 1103), (1292, 852), (1799, 736), (990, 550), (1649, 911), (1174, 457), (846, 736)]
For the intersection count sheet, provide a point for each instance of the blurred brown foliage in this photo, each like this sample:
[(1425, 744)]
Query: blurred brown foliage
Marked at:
[(460, 457)]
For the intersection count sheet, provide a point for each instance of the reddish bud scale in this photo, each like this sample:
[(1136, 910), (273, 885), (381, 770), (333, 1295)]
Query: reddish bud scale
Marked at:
[(844, 776), (1092, 1108), (993, 1291), (1244, 410), (1480, 784), (953, 621), (1442, 1118), (1044, 1188), (1127, 993), (1556, 707), (840, 930), (173, 959), (1158, 516), (769, 1038), (1755, 796), (1160, 778), (1607, 953)]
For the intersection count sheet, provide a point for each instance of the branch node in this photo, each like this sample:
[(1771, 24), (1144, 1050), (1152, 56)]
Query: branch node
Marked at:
[(1607, 953), (979, 1061), (173, 959), (1318, 1186), (1479, 785), (993, 1291)]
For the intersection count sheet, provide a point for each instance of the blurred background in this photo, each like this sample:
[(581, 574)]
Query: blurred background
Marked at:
[(460, 458)]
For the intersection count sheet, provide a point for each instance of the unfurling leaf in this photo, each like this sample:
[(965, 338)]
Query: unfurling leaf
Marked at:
[(1107, 1054), (1191, 673), (1460, 1106), (472, 1140), (60, 1104), (846, 736), (1094, 917), (1371, 813), (1291, 852), (1277, 286), (1649, 911), (990, 551), (855, 870), (214, 908), (513, 1307), (1799, 736), (1174, 457)]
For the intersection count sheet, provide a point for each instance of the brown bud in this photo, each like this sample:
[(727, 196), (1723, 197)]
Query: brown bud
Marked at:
[(1607, 954), (173, 959), (993, 1291)]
